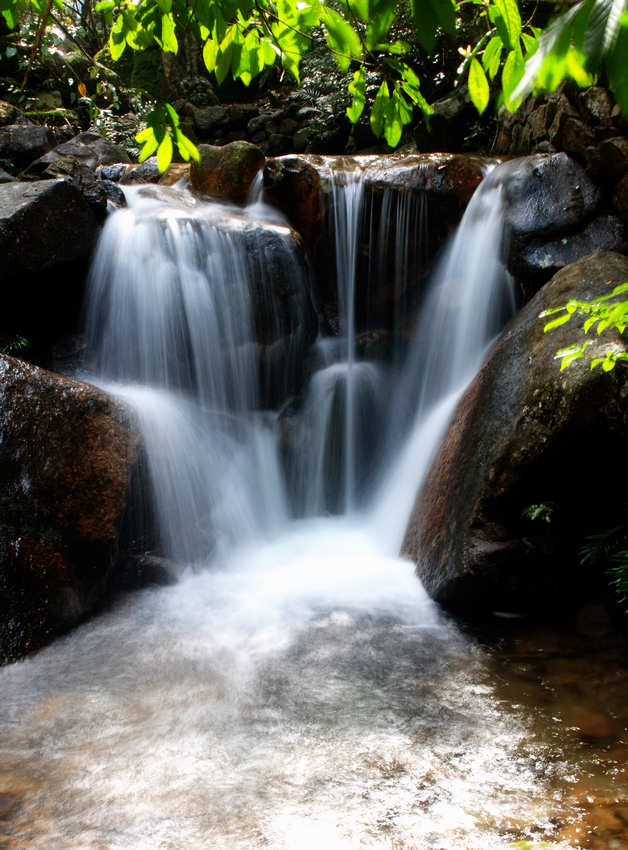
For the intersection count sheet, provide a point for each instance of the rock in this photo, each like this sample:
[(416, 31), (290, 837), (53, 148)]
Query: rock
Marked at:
[(226, 172), (576, 136), (5, 177), (80, 175), (547, 194), (604, 233), (47, 230), (208, 119), (598, 104), (10, 114), (114, 172), (20, 144), (521, 437), (66, 454), (43, 224), (146, 172), (91, 149), (610, 160), (620, 198)]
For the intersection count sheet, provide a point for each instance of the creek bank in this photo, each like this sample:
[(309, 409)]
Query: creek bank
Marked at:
[(525, 435)]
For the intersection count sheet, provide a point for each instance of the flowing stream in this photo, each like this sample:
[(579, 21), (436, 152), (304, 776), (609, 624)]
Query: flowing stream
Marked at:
[(296, 688)]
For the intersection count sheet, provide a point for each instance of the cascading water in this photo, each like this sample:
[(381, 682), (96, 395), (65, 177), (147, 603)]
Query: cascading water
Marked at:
[(300, 689)]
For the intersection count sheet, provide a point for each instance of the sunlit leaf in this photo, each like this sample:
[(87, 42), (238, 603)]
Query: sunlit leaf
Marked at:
[(168, 36), (379, 111), (555, 323), (357, 87), (492, 56), (478, 86), (164, 153)]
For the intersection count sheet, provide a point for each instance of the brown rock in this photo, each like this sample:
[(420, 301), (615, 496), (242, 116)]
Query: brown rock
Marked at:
[(517, 439), (226, 172), (66, 455), (575, 136)]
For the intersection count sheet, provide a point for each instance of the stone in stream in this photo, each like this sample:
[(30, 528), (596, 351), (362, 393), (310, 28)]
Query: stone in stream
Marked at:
[(525, 441), (67, 451)]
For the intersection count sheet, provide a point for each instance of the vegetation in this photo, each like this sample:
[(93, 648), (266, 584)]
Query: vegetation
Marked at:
[(243, 38), (602, 314)]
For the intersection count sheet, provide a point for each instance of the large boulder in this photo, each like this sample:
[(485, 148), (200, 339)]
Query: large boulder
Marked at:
[(66, 455), (531, 460)]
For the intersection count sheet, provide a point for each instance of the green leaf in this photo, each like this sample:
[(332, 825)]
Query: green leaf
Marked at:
[(397, 48), (149, 148), (603, 29), (509, 14), (379, 111), (117, 41), (555, 323), (104, 5), (616, 68), (478, 86), (360, 8), (342, 38), (492, 56), (168, 37), (357, 87), (164, 5), (381, 16), (512, 73), (164, 153), (144, 134), (210, 54)]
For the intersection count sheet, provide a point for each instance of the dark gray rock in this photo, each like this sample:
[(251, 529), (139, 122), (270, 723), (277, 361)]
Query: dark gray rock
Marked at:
[(604, 233), (43, 224), (90, 149), (20, 144)]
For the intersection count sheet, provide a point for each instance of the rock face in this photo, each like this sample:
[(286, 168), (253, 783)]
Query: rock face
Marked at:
[(66, 455), (526, 440), (226, 172)]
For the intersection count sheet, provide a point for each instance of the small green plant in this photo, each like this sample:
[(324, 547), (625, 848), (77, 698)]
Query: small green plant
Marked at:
[(601, 314), (609, 549), (13, 345)]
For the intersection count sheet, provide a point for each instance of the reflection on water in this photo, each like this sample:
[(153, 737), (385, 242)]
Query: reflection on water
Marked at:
[(244, 709)]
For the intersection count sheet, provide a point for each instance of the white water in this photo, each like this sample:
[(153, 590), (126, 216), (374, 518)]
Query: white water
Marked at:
[(300, 689)]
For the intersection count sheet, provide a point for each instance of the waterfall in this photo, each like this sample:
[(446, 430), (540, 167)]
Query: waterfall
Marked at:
[(297, 688), (173, 328)]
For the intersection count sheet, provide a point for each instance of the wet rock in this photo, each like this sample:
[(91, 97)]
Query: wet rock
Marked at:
[(576, 137), (5, 177), (547, 194), (518, 439), (228, 171), (66, 454), (604, 233), (91, 149), (20, 144)]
